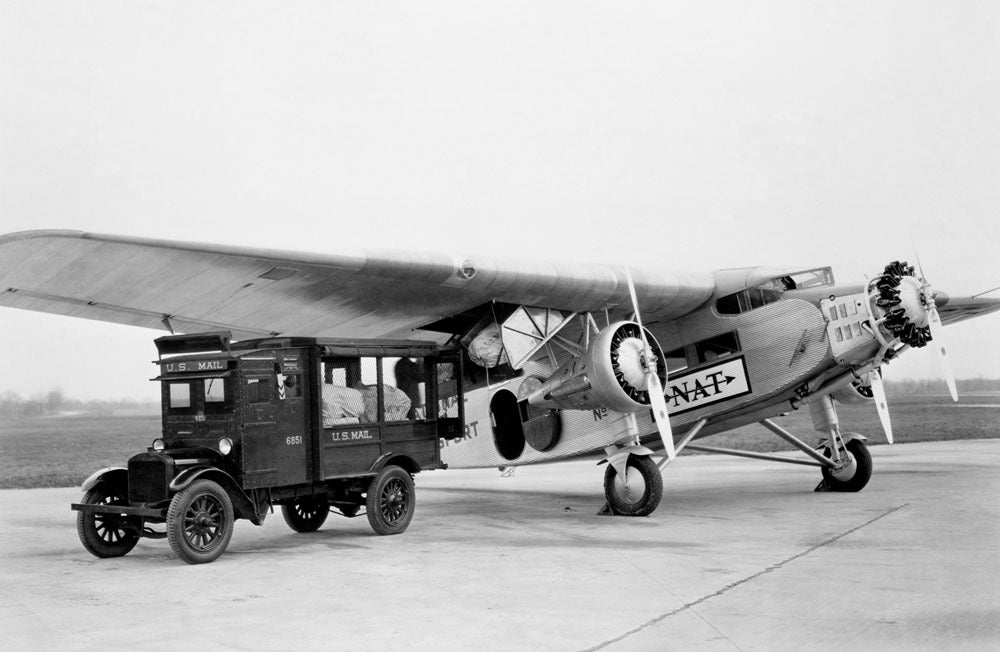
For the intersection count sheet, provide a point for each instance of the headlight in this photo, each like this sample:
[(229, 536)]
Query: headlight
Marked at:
[(159, 444), (225, 445)]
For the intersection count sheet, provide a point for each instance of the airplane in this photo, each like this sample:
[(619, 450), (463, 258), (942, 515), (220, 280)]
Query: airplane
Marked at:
[(563, 359)]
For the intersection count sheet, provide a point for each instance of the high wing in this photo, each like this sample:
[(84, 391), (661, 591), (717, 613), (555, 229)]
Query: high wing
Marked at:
[(189, 287), (956, 309)]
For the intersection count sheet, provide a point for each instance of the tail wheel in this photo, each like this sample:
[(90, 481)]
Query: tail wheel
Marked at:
[(306, 514), (200, 522), (641, 494), (390, 501), (107, 535), (855, 474)]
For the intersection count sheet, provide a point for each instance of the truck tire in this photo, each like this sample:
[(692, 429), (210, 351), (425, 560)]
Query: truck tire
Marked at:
[(390, 501), (107, 535), (200, 522), (306, 514)]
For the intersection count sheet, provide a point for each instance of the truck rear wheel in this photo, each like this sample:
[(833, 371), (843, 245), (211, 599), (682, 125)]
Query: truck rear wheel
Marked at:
[(200, 522), (306, 514), (107, 535), (390, 501)]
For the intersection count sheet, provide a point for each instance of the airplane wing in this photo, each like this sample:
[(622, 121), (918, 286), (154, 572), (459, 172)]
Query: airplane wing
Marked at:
[(956, 309), (189, 287)]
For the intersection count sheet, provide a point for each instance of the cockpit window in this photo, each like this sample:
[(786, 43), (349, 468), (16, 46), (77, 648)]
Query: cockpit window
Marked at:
[(812, 278), (745, 300)]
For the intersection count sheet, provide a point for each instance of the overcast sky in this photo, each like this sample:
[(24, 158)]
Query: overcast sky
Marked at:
[(701, 135)]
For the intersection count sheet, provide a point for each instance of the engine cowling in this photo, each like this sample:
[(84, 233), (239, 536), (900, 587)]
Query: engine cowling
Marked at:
[(857, 393), (612, 373)]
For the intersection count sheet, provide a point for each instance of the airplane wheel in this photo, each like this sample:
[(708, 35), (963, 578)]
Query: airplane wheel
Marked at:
[(107, 535), (645, 487), (855, 475), (390, 501), (306, 514)]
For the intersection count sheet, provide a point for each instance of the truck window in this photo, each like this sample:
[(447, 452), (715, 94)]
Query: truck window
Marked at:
[(258, 390), (180, 396), (215, 390), (406, 394)]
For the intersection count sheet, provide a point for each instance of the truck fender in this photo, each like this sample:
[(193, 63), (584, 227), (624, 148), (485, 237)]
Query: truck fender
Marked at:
[(403, 461), (243, 506), (113, 474)]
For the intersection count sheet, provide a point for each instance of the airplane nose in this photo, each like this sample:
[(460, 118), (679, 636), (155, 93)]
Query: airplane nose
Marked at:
[(902, 305)]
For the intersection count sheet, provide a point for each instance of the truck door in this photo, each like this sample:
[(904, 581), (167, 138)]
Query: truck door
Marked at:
[(276, 440)]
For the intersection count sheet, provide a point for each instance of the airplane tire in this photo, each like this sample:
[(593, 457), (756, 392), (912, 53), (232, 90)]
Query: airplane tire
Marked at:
[(862, 472), (306, 514), (645, 487)]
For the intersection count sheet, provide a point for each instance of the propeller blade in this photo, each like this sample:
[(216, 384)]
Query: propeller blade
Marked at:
[(660, 414), (653, 386), (881, 404), (937, 341), (937, 330)]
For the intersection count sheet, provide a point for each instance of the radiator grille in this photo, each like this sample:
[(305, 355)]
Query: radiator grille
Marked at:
[(148, 480)]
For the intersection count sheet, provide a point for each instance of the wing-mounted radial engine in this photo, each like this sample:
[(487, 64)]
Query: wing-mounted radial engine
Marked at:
[(611, 374)]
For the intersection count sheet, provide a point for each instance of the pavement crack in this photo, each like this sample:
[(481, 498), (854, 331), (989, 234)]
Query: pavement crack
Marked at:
[(745, 580)]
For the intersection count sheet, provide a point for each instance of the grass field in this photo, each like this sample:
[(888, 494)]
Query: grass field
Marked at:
[(63, 451)]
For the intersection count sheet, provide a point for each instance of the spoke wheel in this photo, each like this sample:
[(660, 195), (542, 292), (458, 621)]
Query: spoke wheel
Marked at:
[(107, 535), (856, 474), (306, 514), (200, 522), (390, 501), (641, 495)]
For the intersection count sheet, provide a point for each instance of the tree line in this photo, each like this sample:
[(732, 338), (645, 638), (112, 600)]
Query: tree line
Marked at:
[(53, 402)]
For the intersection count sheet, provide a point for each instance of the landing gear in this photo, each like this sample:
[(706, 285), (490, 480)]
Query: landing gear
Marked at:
[(854, 471), (639, 492)]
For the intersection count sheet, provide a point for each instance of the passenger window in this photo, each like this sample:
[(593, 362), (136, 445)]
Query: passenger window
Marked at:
[(717, 347), (676, 361)]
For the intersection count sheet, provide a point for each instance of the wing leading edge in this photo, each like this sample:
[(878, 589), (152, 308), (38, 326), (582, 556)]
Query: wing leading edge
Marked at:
[(188, 287)]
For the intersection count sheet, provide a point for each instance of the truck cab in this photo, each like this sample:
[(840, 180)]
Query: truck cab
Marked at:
[(309, 424)]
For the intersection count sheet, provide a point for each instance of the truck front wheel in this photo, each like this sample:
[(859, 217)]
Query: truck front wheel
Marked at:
[(107, 535), (390, 501), (200, 522)]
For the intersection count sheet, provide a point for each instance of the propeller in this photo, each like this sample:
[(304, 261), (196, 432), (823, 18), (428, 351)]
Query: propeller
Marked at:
[(881, 404), (656, 399), (937, 331)]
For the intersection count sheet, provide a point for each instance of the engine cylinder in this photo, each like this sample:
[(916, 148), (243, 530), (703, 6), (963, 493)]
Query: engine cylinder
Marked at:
[(611, 374)]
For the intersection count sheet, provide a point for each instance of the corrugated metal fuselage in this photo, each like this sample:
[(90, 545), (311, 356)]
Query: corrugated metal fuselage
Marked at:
[(782, 345)]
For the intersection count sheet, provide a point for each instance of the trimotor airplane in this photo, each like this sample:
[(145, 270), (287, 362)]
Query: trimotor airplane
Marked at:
[(563, 359)]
